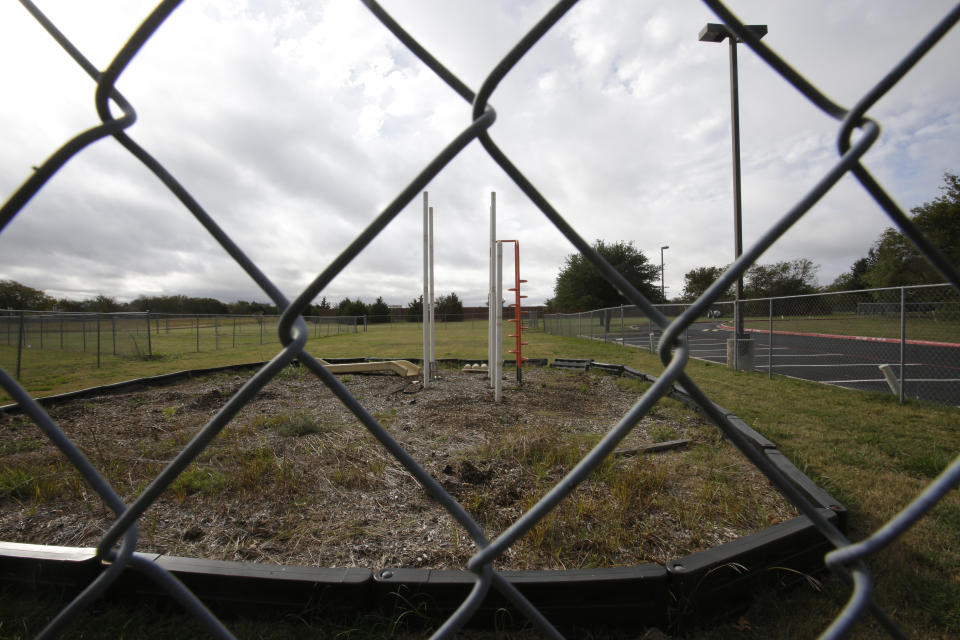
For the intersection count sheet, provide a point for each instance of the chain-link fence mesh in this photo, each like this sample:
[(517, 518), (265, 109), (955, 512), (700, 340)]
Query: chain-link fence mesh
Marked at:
[(119, 542), (27, 338), (904, 340)]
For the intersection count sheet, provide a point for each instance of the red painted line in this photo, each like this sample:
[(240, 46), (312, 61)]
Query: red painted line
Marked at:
[(928, 343)]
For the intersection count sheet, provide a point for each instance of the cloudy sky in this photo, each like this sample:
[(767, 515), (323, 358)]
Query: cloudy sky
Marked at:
[(294, 123)]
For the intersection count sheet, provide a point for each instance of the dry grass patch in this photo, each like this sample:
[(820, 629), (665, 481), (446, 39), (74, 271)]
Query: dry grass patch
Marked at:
[(295, 479)]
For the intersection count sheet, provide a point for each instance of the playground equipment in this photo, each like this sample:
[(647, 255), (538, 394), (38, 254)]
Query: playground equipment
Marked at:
[(403, 368), (518, 312), (429, 361), (495, 302)]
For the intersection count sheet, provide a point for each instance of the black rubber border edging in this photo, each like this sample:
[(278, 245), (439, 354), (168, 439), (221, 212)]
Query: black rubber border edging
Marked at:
[(696, 587)]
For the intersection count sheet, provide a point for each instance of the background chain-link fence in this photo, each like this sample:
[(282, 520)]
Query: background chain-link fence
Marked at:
[(28, 337), (904, 340), (119, 542)]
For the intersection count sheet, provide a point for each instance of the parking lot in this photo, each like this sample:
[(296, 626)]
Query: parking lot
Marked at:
[(931, 370)]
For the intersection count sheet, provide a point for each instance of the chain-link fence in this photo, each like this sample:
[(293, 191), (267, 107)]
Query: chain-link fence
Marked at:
[(116, 548), (904, 340), (31, 338)]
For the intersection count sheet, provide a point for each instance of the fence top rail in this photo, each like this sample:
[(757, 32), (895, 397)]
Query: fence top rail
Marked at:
[(661, 305)]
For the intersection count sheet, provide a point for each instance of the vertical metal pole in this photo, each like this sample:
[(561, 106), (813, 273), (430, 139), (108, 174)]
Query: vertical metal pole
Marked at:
[(98, 341), (149, 342), (623, 339), (61, 333), (492, 292), (198, 334), (498, 358), (41, 332), (903, 340), (233, 343), (83, 331), (433, 311), (20, 345), (426, 296), (770, 342), (737, 205), (113, 332)]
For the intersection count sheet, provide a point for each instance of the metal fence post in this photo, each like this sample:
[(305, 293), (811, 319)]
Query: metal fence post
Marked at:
[(770, 341), (149, 341), (19, 345), (198, 333), (98, 341), (623, 338), (113, 332), (903, 340)]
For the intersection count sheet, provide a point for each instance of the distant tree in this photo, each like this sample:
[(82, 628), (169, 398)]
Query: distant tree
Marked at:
[(102, 304), (699, 279), (415, 310), (893, 261), (379, 311), (14, 295), (580, 287), (852, 280), (787, 278), (450, 308), (348, 307), (245, 308), (178, 304)]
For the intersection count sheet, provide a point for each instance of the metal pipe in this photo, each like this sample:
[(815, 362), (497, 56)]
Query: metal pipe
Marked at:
[(433, 316), (498, 342), (492, 290), (426, 294)]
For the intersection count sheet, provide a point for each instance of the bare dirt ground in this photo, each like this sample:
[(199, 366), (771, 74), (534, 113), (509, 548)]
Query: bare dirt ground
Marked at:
[(295, 479)]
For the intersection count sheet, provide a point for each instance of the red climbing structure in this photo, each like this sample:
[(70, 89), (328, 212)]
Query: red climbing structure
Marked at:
[(518, 312)]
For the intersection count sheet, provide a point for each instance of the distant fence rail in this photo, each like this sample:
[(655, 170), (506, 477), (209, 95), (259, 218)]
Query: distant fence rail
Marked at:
[(143, 334)]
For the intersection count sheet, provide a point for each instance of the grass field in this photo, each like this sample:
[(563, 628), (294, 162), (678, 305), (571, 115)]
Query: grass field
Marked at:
[(870, 452)]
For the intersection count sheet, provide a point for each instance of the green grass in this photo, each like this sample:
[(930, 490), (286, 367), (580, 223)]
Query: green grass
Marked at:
[(873, 454)]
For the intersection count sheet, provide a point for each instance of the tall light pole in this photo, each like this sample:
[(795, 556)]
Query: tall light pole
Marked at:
[(713, 32), (662, 295)]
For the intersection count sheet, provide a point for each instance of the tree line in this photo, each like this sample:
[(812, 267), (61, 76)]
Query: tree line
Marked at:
[(892, 261), (14, 295)]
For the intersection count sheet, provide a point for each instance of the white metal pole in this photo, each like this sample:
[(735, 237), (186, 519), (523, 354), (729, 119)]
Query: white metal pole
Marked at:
[(426, 292), (491, 293), (433, 315), (498, 340)]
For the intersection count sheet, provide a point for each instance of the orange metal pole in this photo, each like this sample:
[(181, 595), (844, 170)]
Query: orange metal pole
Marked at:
[(517, 312)]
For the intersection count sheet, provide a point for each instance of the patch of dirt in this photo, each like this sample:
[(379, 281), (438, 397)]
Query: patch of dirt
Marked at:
[(296, 479)]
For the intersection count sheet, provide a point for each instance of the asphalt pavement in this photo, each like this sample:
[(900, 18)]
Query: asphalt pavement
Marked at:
[(931, 371)]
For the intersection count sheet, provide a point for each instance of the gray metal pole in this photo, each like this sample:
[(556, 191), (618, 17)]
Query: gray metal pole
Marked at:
[(492, 292), (149, 341), (737, 208), (770, 341), (98, 341), (903, 340), (426, 297), (433, 314), (20, 345)]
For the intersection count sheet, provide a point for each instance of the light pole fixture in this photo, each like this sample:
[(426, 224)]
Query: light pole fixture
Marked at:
[(713, 32), (662, 295)]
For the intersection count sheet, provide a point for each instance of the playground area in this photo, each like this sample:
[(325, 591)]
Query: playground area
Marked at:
[(309, 486)]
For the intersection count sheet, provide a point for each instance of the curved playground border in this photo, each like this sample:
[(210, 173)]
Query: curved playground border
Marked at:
[(689, 589)]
